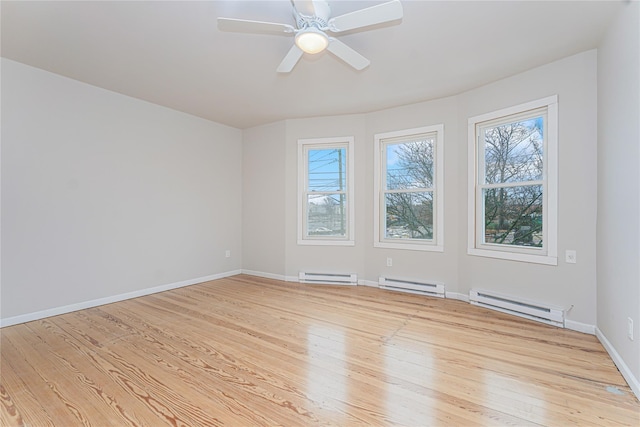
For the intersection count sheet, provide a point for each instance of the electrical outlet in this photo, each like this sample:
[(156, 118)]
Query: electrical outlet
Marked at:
[(227, 253), (389, 262), (630, 328), (570, 256)]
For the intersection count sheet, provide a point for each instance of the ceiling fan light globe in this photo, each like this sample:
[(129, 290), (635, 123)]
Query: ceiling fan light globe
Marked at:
[(312, 41)]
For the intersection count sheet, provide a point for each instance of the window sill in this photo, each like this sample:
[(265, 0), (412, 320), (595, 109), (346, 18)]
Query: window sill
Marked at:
[(410, 246), (514, 256), (326, 242)]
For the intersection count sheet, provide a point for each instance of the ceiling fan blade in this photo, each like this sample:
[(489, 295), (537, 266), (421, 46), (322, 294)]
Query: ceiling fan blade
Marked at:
[(312, 8), (246, 26), (290, 61), (347, 54), (304, 7), (321, 9), (384, 12)]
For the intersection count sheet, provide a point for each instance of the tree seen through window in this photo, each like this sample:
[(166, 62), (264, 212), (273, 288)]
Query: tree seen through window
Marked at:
[(512, 191)]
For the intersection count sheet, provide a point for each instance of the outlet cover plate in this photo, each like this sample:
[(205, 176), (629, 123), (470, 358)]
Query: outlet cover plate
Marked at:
[(570, 257)]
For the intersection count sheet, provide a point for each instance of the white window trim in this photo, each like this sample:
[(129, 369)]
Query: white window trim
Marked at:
[(349, 240), (550, 204), (437, 244)]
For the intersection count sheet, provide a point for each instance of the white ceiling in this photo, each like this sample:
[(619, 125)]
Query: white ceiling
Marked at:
[(172, 54)]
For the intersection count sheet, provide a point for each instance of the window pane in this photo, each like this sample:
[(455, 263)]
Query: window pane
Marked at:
[(410, 164), (327, 169), (513, 151), (513, 215), (409, 215), (327, 215)]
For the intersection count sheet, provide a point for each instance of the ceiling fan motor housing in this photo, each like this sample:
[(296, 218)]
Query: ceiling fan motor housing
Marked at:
[(311, 21)]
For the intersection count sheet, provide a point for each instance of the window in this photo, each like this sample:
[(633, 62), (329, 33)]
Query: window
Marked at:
[(513, 183), (408, 189), (325, 190)]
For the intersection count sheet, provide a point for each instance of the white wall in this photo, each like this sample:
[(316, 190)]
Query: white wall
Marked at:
[(619, 189), (344, 259), (418, 265), (263, 192), (573, 79), (104, 194)]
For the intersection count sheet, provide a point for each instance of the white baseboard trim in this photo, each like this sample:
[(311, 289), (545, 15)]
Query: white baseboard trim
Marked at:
[(371, 283), (271, 276), (585, 328), (456, 295), (621, 365), (284, 278), (266, 275), (29, 317), (361, 282)]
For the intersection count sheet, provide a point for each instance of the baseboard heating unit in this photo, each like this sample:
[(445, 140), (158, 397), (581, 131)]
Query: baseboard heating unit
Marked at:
[(434, 289), (328, 278), (544, 313)]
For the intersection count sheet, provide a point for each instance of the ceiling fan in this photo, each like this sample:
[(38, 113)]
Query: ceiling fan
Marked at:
[(311, 30)]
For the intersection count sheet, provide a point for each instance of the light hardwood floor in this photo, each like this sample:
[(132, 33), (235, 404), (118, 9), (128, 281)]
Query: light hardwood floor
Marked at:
[(247, 351)]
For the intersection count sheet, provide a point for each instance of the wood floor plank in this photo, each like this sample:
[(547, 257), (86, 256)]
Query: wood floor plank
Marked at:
[(94, 376), (195, 350), (175, 382), (253, 351), (251, 364)]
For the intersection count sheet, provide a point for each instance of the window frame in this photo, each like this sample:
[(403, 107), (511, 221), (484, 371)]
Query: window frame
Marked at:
[(304, 146), (381, 140), (548, 253)]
